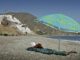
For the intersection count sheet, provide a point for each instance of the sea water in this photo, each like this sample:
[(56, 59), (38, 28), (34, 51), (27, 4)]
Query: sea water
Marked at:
[(74, 38)]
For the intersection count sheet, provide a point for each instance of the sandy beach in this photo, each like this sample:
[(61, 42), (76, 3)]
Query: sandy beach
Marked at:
[(14, 48)]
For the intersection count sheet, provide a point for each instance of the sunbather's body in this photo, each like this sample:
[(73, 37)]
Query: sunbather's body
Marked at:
[(39, 48)]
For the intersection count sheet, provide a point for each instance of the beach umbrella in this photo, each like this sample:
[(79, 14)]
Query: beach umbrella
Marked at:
[(60, 22)]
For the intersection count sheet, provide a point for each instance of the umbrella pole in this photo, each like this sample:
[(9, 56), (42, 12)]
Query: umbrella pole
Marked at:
[(59, 45)]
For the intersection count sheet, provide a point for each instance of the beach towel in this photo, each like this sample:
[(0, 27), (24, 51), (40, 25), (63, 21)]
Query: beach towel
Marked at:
[(47, 51)]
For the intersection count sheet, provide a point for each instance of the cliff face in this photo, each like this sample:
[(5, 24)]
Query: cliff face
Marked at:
[(13, 24), (25, 18), (29, 20), (37, 27)]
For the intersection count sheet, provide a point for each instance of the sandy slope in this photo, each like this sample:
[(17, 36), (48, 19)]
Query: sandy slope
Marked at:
[(8, 30), (14, 48)]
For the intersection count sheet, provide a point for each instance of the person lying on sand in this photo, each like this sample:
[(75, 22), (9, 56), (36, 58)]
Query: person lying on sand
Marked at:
[(39, 48)]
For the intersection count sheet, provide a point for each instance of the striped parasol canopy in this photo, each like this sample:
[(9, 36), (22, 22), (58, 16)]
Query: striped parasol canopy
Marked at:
[(61, 22)]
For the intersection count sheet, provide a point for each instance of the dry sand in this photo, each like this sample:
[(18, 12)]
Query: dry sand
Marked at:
[(14, 48)]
